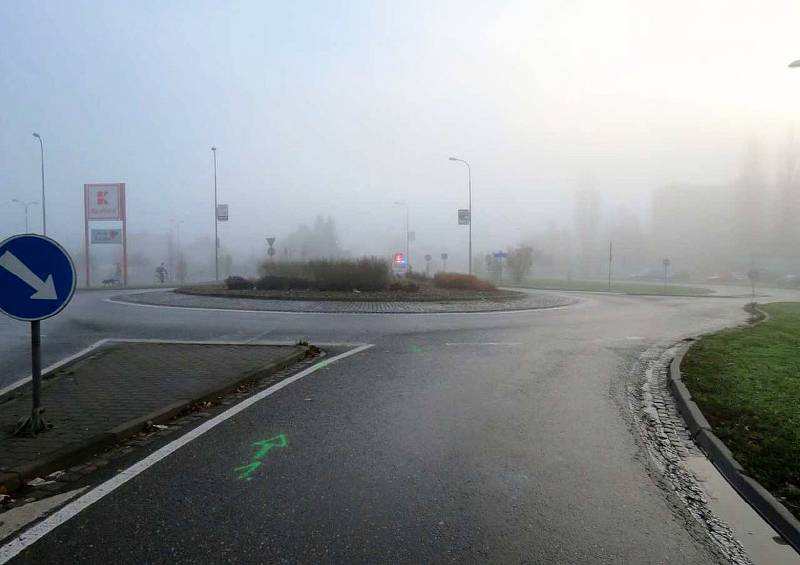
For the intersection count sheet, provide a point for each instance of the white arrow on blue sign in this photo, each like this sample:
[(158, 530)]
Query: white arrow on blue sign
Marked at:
[(37, 277)]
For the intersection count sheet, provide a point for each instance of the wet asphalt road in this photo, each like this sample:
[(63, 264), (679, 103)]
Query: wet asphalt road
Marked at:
[(456, 438)]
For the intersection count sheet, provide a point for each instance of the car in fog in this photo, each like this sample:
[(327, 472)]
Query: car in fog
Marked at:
[(789, 281)]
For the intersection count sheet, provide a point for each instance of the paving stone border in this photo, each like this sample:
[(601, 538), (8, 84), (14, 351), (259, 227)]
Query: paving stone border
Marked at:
[(756, 495), (531, 300), (668, 443), (102, 463), (95, 402)]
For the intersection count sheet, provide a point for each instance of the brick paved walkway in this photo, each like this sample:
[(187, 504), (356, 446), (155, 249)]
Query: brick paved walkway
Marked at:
[(96, 398), (531, 300)]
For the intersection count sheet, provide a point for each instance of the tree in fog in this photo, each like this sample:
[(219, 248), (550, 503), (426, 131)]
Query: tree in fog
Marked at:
[(630, 244), (494, 266), (786, 236), (749, 203), (587, 220), (520, 262), (319, 241)]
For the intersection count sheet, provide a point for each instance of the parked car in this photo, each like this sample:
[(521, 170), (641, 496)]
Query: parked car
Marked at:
[(789, 281)]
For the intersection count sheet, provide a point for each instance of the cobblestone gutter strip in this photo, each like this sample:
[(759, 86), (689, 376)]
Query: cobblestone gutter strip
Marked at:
[(73, 453), (668, 443), (757, 496)]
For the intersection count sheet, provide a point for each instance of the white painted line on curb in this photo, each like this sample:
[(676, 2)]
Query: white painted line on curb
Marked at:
[(306, 313), (54, 366), (31, 536)]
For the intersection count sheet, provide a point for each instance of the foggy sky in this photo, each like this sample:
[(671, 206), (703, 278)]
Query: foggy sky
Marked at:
[(341, 108)]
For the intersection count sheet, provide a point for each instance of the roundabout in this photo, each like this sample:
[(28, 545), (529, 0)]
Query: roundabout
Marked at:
[(522, 301)]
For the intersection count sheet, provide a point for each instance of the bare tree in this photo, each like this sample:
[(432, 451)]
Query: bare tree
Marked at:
[(520, 262)]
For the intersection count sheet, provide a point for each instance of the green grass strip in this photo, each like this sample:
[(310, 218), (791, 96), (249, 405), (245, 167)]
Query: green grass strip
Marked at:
[(747, 383)]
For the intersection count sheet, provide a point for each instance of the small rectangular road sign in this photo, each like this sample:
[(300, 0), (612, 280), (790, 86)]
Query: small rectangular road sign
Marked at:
[(463, 217)]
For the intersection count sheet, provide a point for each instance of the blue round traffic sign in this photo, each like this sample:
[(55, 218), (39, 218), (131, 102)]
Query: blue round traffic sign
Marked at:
[(37, 277)]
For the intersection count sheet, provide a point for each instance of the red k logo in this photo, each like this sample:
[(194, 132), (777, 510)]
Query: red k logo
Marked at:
[(101, 198)]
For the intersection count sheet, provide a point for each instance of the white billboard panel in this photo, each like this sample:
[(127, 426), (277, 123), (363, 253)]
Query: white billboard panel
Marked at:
[(104, 201)]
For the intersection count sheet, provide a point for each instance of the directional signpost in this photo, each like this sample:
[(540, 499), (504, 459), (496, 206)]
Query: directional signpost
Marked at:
[(271, 250), (37, 280)]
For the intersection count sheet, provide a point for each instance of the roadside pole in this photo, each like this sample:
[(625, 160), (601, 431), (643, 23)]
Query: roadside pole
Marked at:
[(38, 422), (37, 280), (610, 259)]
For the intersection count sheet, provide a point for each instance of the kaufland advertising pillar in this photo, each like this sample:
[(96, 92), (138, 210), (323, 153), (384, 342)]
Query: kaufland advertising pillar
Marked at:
[(105, 203)]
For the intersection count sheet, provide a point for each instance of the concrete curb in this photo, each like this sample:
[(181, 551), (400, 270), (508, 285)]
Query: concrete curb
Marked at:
[(754, 494), (71, 454), (122, 299)]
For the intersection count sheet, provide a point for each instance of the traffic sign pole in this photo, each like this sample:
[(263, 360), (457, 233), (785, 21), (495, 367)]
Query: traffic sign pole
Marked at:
[(37, 421), (37, 280)]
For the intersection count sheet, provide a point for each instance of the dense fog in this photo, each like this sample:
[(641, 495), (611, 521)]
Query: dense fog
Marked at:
[(668, 129)]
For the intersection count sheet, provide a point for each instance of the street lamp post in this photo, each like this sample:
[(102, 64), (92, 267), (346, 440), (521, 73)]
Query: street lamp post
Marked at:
[(41, 152), (26, 205), (408, 247), (469, 184), (216, 235), (178, 270)]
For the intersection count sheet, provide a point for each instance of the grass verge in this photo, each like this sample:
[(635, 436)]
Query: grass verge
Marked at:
[(747, 383), (625, 287)]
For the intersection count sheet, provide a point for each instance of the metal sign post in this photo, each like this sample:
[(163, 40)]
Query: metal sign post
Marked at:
[(444, 262), (271, 250), (37, 280)]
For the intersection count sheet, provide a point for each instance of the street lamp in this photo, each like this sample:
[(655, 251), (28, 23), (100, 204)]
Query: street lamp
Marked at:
[(408, 250), (41, 151), (178, 270), (469, 183), (26, 204), (216, 236)]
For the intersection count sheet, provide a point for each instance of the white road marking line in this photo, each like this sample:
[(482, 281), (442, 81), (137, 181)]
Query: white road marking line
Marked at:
[(31, 536), (198, 309), (54, 366), (17, 518)]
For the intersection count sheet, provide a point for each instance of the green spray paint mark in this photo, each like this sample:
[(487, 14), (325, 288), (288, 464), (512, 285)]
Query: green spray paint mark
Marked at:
[(264, 446), (246, 470)]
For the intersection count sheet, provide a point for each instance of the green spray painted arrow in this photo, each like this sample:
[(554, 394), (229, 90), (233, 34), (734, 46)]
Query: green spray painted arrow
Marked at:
[(266, 444)]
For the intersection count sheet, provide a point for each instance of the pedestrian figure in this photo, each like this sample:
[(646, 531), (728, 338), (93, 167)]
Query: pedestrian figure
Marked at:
[(161, 273)]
